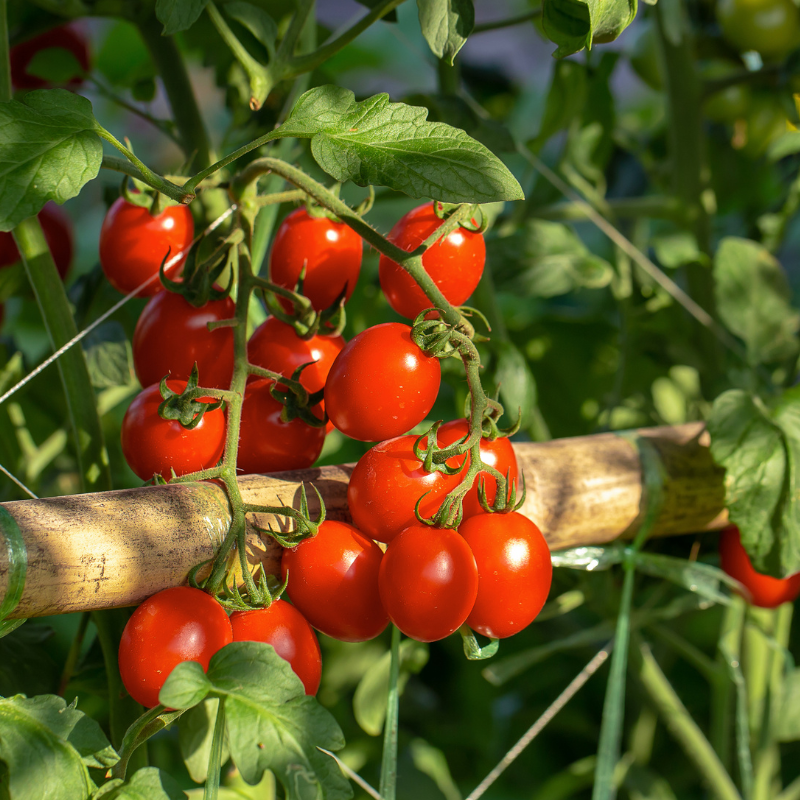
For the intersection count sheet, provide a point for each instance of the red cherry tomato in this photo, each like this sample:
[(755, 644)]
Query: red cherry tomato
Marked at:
[(428, 582), (268, 445), (286, 629), (152, 445), (171, 335), (514, 572), (275, 345), (765, 591), (386, 484), (381, 384), (173, 626), (455, 262), (57, 229), (133, 243), (330, 252), (333, 580), (498, 454), (64, 37)]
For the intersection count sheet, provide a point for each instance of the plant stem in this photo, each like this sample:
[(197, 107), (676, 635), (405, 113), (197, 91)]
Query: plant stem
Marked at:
[(654, 207), (215, 757), (507, 22), (388, 785), (74, 651), (5, 65)]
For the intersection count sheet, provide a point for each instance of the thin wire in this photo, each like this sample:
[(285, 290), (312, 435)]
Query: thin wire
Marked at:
[(103, 317), (354, 776), (537, 727), (18, 482)]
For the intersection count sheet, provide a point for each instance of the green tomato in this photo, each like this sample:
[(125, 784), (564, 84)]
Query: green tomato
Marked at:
[(765, 121), (729, 104), (644, 56), (771, 27)]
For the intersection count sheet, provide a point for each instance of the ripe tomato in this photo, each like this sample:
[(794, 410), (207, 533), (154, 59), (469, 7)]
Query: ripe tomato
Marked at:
[(57, 229), (173, 626), (275, 345), (381, 384), (286, 629), (333, 580), (153, 446), (772, 27), (64, 37), (514, 572), (455, 262), (133, 243), (171, 335), (498, 454), (386, 484), (330, 252), (765, 591), (428, 582), (268, 445)]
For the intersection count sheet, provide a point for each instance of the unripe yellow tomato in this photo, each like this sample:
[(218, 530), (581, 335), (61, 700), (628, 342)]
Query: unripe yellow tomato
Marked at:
[(771, 27)]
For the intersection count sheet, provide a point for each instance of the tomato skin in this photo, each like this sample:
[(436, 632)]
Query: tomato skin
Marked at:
[(455, 262), (333, 581), (498, 454), (287, 630), (330, 251), (171, 335), (428, 582), (765, 591), (57, 229), (133, 244), (152, 445), (268, 445), (176, 625), (514, 572), (381, 384), (275, 345), (772, 27), (63, 36), (386, 484)]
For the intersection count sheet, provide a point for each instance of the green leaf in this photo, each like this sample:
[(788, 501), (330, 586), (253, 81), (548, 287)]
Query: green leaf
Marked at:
[(178, 15), (124, 59), (369, 700), (566, 100), (513, 376), (42, 736), (675, 250), (49, 151), (575, 24), (55, 65), (186, 686), (147, 725), (752, 296), (195, 733), (26, 664), (256, 20), (446, 24), (148, 783), (431, 761), (109, 356), (391, 144)]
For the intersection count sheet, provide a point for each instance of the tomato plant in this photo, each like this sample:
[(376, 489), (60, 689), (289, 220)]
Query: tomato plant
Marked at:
[(455, 262), (328, 251), (333, 580), (57, 229), (286, 629), (155, 446), (381, 384), (133, 243), (172, 626), (62, 37)]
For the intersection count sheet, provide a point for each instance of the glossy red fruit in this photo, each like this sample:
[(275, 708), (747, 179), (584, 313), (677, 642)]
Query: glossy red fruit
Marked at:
[(65, 37), (330, 252), (57, 229), (287, 630), (266, 444), (173, 626), (276, 346), (171, 335), (153, 446), (514, 572), (333, 580), (133, 244), (428, 582), (498, 454), (765, 591), (381, 384), (386, 484), (455, 262)]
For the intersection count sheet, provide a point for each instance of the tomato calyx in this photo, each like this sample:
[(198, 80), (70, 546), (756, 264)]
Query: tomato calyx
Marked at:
[(304, 526), (465, 216), (189, 406), (297, 402), (433, 457), (505, 501), (472, 650)]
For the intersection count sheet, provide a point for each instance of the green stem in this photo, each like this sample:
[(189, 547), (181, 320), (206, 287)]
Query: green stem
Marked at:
[(653, 207), (172, 71), (507, 22), (769, 72), (729, 652), (74, 650), (215, 757), (388, 785), (449, 76), (5, 66)]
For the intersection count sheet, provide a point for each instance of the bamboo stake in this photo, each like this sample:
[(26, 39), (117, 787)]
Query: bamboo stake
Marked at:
[(110, 549)]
